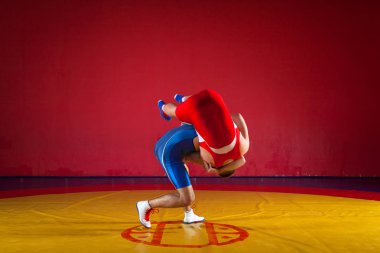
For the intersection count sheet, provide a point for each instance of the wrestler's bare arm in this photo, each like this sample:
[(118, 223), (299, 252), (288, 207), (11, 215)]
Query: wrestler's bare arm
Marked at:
[(242, 126), (240, 123), (231, 166), (194, 157)]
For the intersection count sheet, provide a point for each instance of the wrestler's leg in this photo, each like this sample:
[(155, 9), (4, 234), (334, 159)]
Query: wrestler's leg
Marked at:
[(184, 197), (169, 109)]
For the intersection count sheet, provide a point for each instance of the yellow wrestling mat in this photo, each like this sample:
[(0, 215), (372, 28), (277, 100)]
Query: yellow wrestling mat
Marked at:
[(236, 222)]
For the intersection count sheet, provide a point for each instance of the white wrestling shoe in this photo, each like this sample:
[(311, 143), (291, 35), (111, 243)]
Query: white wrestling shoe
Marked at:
[(191, 217), (144, 210)]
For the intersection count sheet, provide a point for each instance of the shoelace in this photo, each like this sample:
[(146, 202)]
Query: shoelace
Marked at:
[(149, 212)]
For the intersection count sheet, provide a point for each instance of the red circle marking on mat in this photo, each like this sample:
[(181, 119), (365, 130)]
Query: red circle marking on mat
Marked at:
[(134, 233)]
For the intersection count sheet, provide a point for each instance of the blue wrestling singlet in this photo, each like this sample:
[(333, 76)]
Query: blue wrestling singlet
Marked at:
[(170, 150)]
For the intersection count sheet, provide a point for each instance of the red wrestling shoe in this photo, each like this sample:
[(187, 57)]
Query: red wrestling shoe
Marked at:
[(144, 210)]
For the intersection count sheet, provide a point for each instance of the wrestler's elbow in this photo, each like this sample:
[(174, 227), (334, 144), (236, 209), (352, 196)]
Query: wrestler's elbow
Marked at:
[(244, 146), (242, 162)]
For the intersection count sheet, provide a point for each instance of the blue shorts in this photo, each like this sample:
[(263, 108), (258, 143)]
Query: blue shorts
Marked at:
[(170, 150)]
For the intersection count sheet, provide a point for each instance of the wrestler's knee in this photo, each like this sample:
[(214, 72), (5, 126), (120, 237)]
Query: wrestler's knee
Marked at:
[(188, 199)]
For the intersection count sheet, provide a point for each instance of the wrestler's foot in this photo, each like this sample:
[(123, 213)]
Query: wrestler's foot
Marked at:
[(191, 217), (144, 210), (161, 104), (178, 98)]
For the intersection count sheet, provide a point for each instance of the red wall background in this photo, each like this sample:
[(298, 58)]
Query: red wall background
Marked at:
[(80, 80)]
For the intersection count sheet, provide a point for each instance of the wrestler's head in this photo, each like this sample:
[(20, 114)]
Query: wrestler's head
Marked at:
[(229, 167), (226, 173)]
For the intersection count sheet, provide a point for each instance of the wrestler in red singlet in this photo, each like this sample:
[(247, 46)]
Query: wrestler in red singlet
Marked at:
[(211, 119)]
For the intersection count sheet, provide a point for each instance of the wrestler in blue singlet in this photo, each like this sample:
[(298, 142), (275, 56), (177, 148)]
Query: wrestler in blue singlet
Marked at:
[(170, 150)]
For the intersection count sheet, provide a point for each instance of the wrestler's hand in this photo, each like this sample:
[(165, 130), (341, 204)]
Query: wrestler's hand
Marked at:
[(209, 168)]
